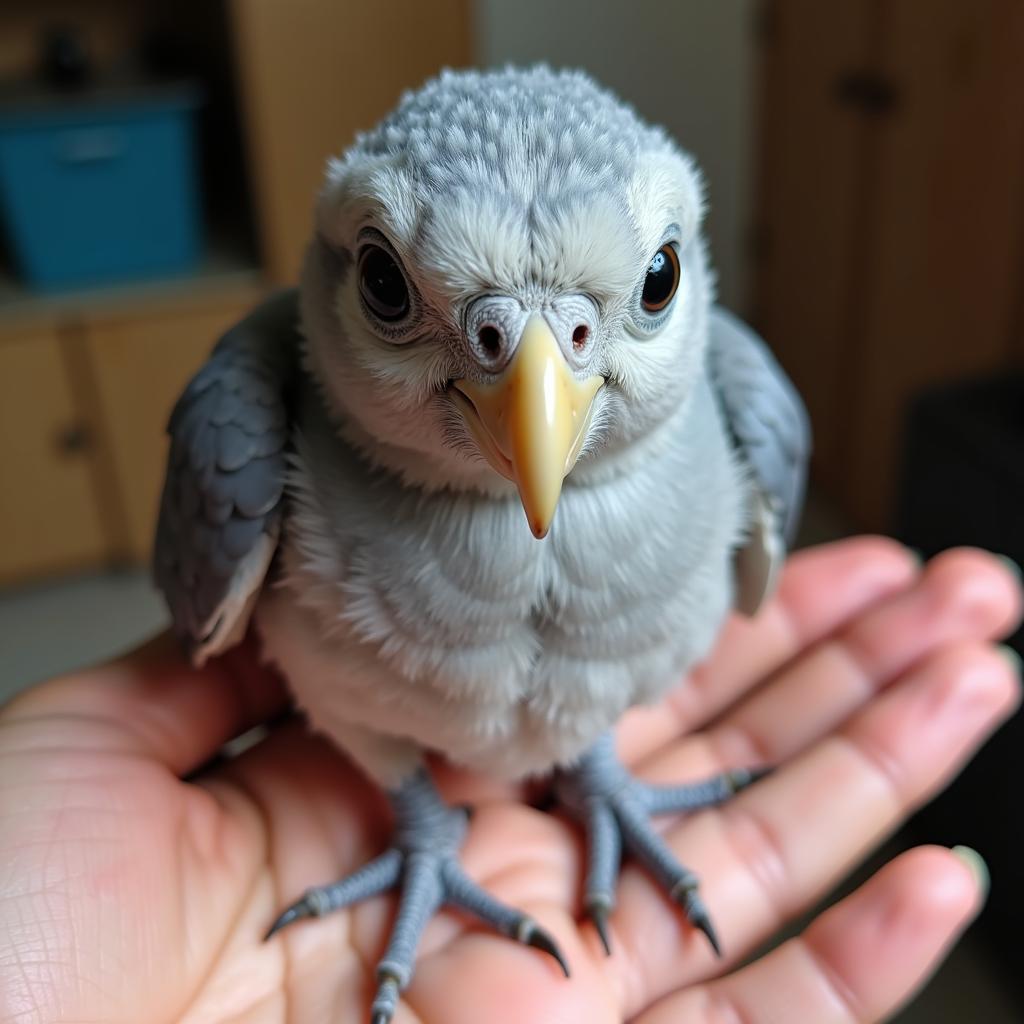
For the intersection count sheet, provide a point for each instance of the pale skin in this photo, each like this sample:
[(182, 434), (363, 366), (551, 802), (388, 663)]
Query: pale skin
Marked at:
[(127, 894)]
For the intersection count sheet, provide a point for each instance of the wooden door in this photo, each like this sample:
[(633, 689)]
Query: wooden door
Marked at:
[(942, 266), (810, 218), (890, 206)]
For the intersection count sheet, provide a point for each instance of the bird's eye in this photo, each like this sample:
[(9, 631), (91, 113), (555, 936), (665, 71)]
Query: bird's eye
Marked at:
[(662, 280), (382, 284)]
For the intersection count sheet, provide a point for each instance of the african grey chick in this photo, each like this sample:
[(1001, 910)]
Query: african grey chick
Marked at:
[(506, 286)]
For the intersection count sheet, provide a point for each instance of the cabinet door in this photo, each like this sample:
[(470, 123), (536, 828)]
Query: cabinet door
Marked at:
[(892, 162), (811, 218), (940, 285), (49, 516), (140, 366)]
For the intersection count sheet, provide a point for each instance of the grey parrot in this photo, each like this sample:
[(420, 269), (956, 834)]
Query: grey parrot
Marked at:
[(505, 306)]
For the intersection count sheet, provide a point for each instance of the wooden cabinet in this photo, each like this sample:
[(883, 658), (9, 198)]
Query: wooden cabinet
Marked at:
[(890, 210), (83, 407), (88, 379), (49, 518), (140, 367)]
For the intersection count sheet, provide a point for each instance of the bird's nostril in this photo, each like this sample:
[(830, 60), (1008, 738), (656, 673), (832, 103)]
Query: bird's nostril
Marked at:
[(579, 336), (490, 339)]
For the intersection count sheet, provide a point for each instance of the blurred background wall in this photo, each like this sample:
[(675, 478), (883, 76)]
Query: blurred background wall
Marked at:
[(687, 66), (865, 172)]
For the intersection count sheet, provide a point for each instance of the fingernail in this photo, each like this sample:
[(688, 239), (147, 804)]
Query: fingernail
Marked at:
[(1013, 568), (975, 863), (1015, 660)]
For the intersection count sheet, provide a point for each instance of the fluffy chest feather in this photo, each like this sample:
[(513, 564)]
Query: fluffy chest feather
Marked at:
[(439, 618)]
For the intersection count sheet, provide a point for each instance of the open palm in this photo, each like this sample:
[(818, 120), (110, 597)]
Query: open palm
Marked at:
[(127, 894)]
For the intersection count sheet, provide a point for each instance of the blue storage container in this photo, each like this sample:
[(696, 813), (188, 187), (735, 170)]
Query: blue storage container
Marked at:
[(100, 187)]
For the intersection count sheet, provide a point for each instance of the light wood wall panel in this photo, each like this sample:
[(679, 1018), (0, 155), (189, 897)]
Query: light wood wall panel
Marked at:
[(313, 73)]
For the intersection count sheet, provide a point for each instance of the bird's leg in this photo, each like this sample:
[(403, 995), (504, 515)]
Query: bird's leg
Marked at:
[(423, 865), (615, 810)]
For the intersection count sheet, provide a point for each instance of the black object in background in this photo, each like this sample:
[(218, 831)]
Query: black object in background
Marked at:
[(963, 483), (65, 62)]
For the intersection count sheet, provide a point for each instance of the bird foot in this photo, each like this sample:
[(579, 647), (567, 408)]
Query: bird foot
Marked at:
[(423, 865), (615, 810)]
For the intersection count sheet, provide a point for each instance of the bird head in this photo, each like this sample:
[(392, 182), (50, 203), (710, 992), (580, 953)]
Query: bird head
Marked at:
[(506, 284)]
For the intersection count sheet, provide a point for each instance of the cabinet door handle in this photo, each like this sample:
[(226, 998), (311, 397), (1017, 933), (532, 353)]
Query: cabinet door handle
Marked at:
[(74, 439), (871, 92)]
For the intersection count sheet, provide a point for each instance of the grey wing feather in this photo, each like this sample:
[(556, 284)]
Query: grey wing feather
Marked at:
[(770, 429), (221, 505)]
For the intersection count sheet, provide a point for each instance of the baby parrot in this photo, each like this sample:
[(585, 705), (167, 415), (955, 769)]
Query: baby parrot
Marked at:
[(505, 307)]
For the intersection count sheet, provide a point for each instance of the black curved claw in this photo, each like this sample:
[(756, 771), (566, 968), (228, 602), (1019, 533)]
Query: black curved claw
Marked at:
[(295, 912), (700, 919), (598, 914), (540, 939), (685, 894)]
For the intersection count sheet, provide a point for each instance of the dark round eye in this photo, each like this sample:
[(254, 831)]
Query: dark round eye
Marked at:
[(662, 280), (382, 284)]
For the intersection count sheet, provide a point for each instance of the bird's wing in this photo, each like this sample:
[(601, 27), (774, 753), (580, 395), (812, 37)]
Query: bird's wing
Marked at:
[(771, 432), (221, 506)]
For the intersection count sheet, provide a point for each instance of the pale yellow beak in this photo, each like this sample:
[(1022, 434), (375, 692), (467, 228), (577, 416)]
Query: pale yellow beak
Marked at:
[(531, 423)]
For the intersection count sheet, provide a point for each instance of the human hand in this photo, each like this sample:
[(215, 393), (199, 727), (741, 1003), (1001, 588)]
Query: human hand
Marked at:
[(127, 894)]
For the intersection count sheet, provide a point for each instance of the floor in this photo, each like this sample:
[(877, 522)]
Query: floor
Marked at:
[(97, 615), (58, 627)]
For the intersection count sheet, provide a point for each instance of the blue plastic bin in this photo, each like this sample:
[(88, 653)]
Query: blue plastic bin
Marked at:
[(102, 187)]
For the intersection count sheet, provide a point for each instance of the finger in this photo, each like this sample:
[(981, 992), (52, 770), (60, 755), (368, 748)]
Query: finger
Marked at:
[(858, 962), (309, 818), (485, 978), (153, 702), (776, 847), (821, 590), (962, 596)]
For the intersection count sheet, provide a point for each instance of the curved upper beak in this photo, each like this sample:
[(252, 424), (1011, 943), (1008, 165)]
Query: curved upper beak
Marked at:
[(532, 421)]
